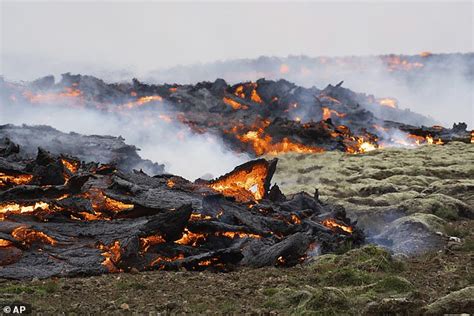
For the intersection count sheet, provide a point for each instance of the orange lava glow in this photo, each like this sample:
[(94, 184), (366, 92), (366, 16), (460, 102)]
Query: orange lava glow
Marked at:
[(5, 243), (146, 242), (388, 102), (160, 260), (243, 185), (28, 236), (143, 100), (284, 69), (101, 202), (70, 165), (334, 225), (263, 144), (199, 217), (18, 179), (112, 254), (233, 235), (22, 208), (255, 97), (327, 113), (68, 93), (396, 63), (234, 104), (170, 183), (191, 239)]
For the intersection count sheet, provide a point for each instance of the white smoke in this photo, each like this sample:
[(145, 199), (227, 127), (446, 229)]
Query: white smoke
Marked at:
[(160, 140)]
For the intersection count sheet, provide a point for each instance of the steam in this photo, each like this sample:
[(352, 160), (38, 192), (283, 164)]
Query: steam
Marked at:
[(160, 140)]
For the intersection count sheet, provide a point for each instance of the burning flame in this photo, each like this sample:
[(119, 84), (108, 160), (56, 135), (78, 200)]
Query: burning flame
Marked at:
[(334, 225), (18, 179), (28, 236)]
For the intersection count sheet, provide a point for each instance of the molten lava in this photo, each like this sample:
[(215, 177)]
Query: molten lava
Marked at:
[(112, 254), (146, 242), (70, 165), (244, 184), (67, 94), (327, 113), (29, 236), (142, 100), (234, 104), (17, 179)]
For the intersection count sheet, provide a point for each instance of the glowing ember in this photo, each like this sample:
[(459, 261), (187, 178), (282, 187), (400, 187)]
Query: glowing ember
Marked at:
[(19, 208), (28, 236), (234, 104), (255, 97), (146, 242), (101, 202), (327, 113), (431, 141), (68, 93), (191, 239), (199, 217), (143, 100), (170, 183), (233, 235), (239, 91), (70, 165), (5, 243), (263, 144), (18, 179), (112, 254), (334, 225), (295, 219), (161, 260)]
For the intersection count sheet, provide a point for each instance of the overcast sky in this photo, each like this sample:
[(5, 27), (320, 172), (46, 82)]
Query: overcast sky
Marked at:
[(150, 35)]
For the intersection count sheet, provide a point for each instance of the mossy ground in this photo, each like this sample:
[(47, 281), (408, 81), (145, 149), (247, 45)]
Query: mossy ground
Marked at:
[(368, 280)]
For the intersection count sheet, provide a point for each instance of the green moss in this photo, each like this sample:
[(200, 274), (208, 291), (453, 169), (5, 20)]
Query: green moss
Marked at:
[(270, 291), (393, 284), (44, 288), (130, 284)]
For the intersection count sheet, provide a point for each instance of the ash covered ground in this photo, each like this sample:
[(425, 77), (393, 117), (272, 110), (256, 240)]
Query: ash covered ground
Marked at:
[(426, 191)]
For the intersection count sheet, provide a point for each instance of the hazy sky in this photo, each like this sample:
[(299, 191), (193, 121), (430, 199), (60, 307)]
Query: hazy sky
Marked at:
[(150, 35)]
